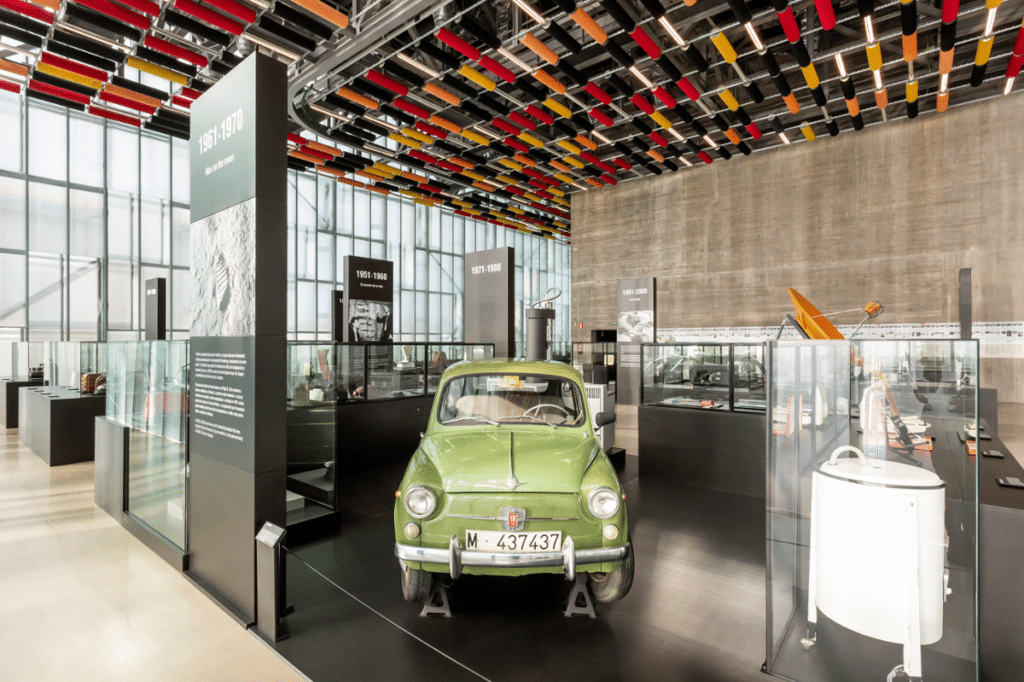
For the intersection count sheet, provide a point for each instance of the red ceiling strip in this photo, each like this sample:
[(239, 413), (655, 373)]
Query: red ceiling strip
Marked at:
[(516, 190), (28, 9), (126, 103), (47, 89), (646, 42), (687, 87), (754, 131), (1018, 44), (551, 181), (296, 139), (642, 103), (176, 51), (622, 163), (457, 43), (789, 25), (522, 120), (826, 14), (533, 174), (429, 188), (385, 82), (410, 108), (598, 93), (190, 93), (705, 157), (117, 12), (180, 101), (665, 96), (10, 87), (1014, 65), (541, 116), (421, 156), (950, 8), (606, 167), (658, 138), (114, 116), (447, 165), (244, 13), (425, 127), (208, 15), (516, 144), (539, 185), (609, 179), (505, 126), (588, 157), (144, 6), (318, 154), (601, 117), (74, 67), (497, 69)]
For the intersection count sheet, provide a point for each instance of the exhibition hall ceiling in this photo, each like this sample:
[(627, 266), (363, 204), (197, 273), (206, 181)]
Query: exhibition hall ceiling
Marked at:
[(501, 110)]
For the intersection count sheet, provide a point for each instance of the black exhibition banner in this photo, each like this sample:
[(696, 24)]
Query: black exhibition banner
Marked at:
[(369, 300), (490, 299), (636, 301)]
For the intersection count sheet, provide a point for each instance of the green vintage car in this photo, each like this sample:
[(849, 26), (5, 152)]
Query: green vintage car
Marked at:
[(509, 480)]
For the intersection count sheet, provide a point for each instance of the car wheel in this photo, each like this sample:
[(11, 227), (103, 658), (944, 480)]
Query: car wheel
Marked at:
[(416, 584), (612, 586)]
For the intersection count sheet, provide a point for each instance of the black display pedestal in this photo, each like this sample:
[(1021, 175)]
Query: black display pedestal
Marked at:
[(58, 424), (9, 399)]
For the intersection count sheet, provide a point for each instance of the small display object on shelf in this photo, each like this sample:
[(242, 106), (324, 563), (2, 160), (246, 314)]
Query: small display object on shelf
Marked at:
[(872, 512), (93, 382), (704, 376), (509, 479)]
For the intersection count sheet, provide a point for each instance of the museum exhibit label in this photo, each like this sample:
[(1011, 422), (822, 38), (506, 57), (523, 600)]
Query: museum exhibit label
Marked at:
[(237, 447), (636, 301), (490, 300), (369, 298)]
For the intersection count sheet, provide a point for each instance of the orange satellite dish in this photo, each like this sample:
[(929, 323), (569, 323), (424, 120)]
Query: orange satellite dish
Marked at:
[(812, 320)]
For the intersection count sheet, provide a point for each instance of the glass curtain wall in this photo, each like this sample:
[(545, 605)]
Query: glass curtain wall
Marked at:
[(92, 209)]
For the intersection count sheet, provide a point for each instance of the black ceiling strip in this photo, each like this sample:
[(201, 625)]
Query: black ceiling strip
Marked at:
[(453, 83), (518, 175), (741, 114), (340, 165), (858, 121), (484, 170), (165, 61), (620, 86), (474, 110), (220, 67), (303, 21), (562, 36), (641, 124), (699, 128), (724, 153), (21, 36), (435, 52), (493, 103), (695, 58), (360, 161), (231, 59), (404, 73), (618, 54), (101, 21), (134, 86), (623, 149), (374, 90), (583, 122), (782, 84), (371, 126), (61, 83), (565, 129), (173, 117), (286, 34), (476, 158), (620, 15), (23, 22), (478, 31), (80, 55), (668, 164), (830, 125), (722, 124), (684, 114), (448, 147), (410, 161), (86, 45), (849, 92), (738, 7), (299, 164), (755, 92), (592, 172), (771, 65), (194, 27), (693, 146), (543, 155), (173, 132), (819, 96), (530, 90), (360, 134), (573, 73), (668, 68), (343, 104), (397, 114), (200, 86), (341, 136), (384, 184), (567, 6), (800, 53)]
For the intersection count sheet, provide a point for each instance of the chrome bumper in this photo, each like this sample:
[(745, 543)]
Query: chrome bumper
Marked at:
[(456, 557)]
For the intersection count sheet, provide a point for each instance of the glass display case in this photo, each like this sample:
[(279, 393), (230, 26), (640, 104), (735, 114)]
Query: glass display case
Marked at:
[(872, 511), (323, 377), (69, 361), (595, 361), (147, 391), (22, 359), (708, 376)]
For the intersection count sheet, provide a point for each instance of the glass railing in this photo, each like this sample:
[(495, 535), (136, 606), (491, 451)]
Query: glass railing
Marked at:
[(22, 360), (68, 361)]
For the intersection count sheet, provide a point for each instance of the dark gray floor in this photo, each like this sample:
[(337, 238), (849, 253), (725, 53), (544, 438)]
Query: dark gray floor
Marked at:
[(696, 610)]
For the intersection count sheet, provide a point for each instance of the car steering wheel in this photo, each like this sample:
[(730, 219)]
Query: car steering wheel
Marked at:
[(554, 405)]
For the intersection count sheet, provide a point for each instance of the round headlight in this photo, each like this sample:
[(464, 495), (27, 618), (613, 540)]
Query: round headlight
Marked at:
[(603, 503), (420, 502)]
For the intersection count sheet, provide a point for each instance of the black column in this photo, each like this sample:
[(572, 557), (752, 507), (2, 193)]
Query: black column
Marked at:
[(237, 451), (965, 303), (156, 309), (490, 315)]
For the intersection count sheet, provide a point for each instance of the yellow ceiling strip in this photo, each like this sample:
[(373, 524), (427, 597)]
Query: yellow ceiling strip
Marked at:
[(660, 119), (474, 175), (155, 70), (477, 77), (530, 139), (506, 179), (558, 108), (417, 135), (69, 76), (573, 161), (404, 140), (533, 197), (476, 137), (564, 178), (556, 192), (561, 201), (568, 146), (508, 163)]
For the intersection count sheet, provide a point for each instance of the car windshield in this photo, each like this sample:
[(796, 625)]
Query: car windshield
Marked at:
[(511, 399)]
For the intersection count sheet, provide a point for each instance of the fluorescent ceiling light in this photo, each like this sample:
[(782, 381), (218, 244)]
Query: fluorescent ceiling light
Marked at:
[(672, 31), (841, 65), (529, 10), (416, 65), (515, 60), (753, 36), (639, 75)]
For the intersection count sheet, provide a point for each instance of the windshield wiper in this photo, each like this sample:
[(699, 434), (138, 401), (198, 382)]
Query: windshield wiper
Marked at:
[(526, 416)]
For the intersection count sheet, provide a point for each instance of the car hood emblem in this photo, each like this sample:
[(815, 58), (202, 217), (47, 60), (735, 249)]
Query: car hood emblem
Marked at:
[(512, 518)]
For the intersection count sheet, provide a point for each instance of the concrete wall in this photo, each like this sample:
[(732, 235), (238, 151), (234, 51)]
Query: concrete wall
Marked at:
[(889, 213)]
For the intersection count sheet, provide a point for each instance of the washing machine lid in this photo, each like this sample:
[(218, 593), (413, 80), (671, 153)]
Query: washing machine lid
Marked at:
[(882, 472)]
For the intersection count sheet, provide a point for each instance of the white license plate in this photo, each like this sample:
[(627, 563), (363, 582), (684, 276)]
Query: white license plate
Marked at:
[(497, 541)]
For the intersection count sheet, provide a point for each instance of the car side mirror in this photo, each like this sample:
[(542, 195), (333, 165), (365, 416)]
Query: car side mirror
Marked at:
[(603, 418)]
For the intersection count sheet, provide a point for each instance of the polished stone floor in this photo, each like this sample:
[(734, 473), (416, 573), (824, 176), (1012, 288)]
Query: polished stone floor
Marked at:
[(83, 600)]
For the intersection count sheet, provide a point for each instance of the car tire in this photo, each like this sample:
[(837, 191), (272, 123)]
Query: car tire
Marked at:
[(614, 585), (416, 584)]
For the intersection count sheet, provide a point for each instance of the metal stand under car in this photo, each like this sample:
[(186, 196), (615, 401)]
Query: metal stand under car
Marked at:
[(439, 602)]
